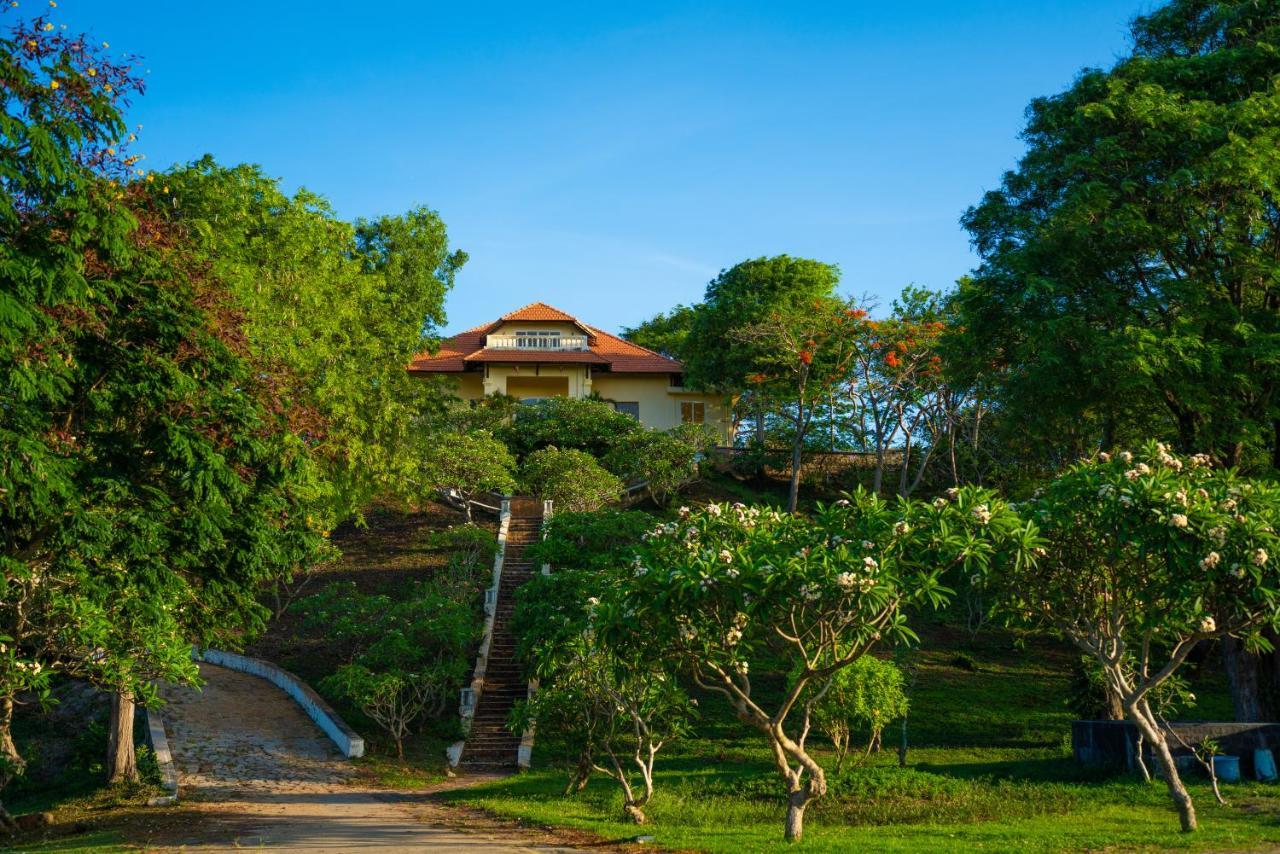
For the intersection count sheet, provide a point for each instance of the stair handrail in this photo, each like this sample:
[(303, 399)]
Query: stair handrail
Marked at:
[(469, 697), (524, 753)]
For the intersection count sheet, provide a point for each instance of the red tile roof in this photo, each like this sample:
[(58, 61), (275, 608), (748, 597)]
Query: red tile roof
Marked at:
[(466, 349)]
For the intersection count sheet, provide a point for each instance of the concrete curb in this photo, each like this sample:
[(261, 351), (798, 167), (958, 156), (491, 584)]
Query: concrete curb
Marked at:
[(347, 740), (164, 756)]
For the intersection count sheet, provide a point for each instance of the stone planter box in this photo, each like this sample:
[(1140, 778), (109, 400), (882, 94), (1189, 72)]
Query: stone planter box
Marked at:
[(1114, 743)]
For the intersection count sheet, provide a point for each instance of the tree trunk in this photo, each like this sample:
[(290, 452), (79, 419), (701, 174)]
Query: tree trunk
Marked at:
[(796, 802), (633, 813), (1177, 791), (11, 763), (581, 775), (797, 460), (121, 757), (759, 443), (1114, 704), (1242, 669)]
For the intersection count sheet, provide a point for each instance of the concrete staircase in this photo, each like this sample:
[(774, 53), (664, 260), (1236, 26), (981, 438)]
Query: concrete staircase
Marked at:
[(490, 745)]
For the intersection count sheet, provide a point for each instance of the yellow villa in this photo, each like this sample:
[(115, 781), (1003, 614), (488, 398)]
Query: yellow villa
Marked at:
[(539, 351)]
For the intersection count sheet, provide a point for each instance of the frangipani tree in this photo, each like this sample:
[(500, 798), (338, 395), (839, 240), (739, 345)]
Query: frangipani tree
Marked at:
[(724, 587), (1147, 555), (617, 706)]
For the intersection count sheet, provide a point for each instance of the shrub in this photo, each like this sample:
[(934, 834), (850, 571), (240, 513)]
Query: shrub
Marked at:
[(470, 550), (570, 478), (666, 462), (867, 695), (564, 422), (469, 463), (407, 658), (597, 540)]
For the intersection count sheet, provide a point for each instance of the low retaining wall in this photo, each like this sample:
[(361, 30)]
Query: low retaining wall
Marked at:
[(351, 744), (1114, 743), (164, 756)]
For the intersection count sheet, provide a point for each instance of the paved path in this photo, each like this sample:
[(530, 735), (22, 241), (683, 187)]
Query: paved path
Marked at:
[(259, 774)]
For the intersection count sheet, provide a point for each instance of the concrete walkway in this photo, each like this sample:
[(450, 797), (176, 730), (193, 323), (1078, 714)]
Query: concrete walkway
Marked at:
[(259, 774)]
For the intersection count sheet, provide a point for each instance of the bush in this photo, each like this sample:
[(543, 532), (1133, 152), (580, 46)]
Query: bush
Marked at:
[(597, 540), (570, 478), (470, 550), (667, 462), (408, 657), (469, 463), (563, 422), (865, 696)]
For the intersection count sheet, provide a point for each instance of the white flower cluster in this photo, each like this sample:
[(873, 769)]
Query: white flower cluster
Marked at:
[(1140, 470), (1179, 520), (982, 513), (714, 510), (1208, 625), (939, 503), (1199, 461), (1211, 560), (901, 528), (1167, 459), (1260, 557)]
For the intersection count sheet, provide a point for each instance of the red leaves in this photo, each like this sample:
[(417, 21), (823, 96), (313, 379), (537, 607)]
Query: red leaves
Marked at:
[(892, 359)]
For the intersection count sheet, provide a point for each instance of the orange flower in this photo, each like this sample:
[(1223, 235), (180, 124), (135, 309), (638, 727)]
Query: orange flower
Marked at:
[(892, 359), (806, 357)]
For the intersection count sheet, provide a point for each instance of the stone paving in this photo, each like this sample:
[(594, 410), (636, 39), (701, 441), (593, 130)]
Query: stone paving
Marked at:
[(260, 774)]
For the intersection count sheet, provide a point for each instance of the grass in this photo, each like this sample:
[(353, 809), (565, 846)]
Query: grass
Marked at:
[(989, 768)]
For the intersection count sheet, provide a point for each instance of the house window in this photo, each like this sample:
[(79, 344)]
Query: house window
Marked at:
[(536, 339), (693, 411), (630, 407)]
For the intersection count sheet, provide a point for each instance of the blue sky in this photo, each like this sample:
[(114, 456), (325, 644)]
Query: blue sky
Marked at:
[(611, 157)]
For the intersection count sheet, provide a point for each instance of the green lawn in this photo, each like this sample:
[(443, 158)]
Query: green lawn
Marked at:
[(989, 768)]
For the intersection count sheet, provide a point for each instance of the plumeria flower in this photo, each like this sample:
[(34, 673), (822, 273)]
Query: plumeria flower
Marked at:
[(847, 580), (1178, 520), (870, 562), (901, 528), (1126, 457), (939, 503), (1260, 557), (1208, 625), (982, 514), (1104, 457), (843, 502), (1210, 560), (726, 556), (714, 510), (953, 493), (683, 512)]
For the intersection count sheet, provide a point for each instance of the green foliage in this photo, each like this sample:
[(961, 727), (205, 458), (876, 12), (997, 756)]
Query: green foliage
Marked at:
[(729, 589), (1129, 260), (571, 478), (470, 550), (666, 462), (470, 463), (598, 540), (409, 656), (568, 423), (666, 332), (1144, 556), (149, 487), (614, 707), (867, 695), (343, 309)]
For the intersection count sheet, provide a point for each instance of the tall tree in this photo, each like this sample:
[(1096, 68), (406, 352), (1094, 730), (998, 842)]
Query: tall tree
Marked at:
[(1130, 261), (717, 358), (342, 309), (666, 332), (1130, 281), (147, 490)]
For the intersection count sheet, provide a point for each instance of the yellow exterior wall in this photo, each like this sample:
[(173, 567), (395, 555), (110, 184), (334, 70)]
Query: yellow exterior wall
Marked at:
[(468, 386), (579, 382), (538, 325), (659, 401)]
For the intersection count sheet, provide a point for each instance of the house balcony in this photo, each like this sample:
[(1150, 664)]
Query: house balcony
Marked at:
[(540, 343)]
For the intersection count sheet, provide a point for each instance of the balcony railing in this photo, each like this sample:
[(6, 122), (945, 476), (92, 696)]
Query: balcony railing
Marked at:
[(536, 342)]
